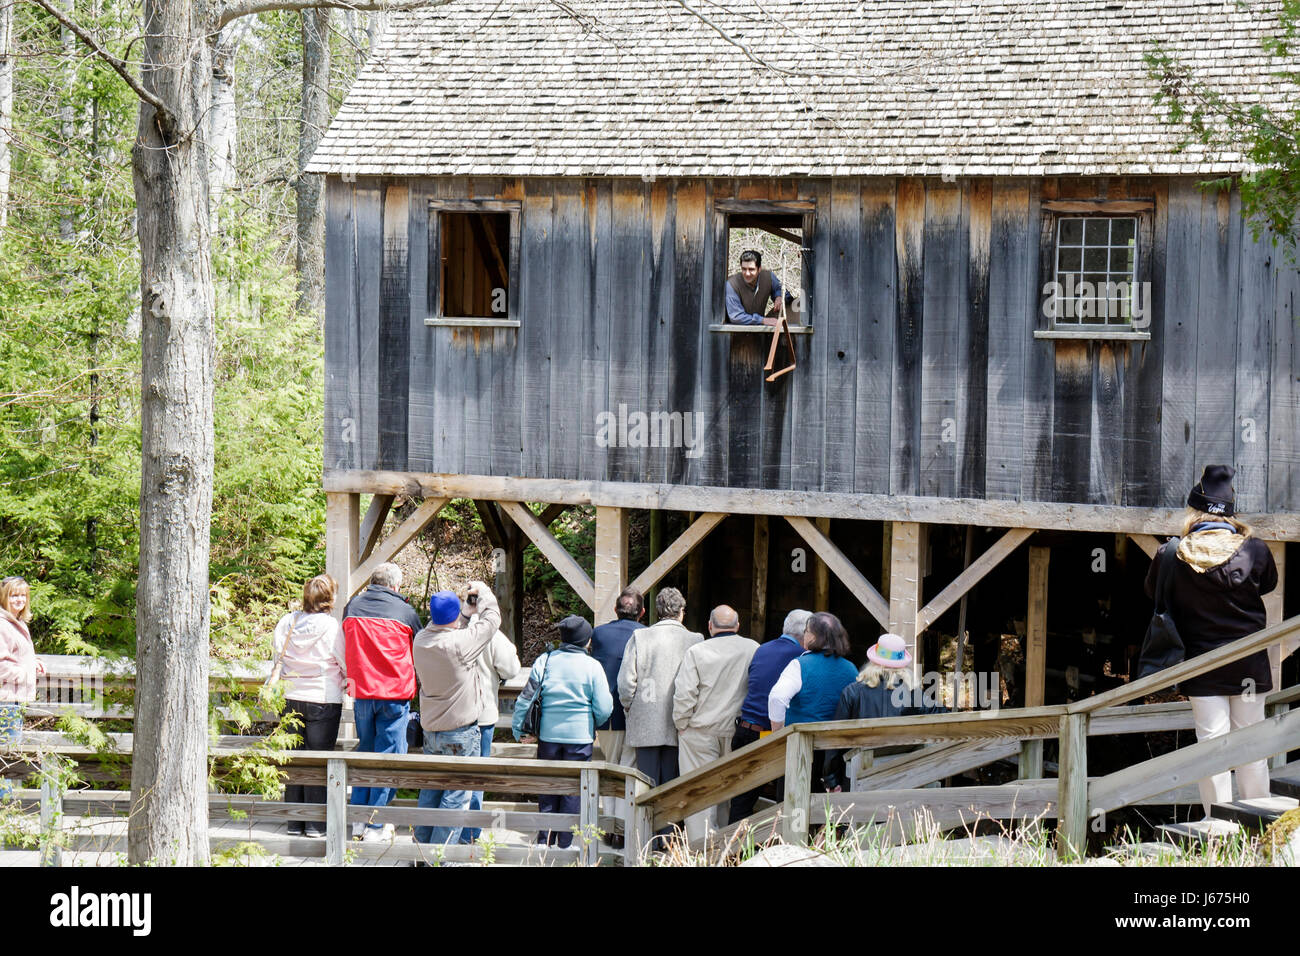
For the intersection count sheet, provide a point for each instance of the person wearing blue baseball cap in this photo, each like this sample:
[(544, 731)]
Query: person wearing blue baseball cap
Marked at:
[(446, 665)]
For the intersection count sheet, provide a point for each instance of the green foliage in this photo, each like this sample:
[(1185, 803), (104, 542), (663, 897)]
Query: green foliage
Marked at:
[(1268, 137), (70, 357), (576, 530)]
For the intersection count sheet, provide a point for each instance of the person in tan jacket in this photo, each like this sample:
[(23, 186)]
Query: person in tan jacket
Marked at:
[(710, 688), (446, 658), (645, 686)]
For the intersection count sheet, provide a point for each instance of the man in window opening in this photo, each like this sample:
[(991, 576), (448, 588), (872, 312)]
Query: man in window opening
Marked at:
[(750, 289)]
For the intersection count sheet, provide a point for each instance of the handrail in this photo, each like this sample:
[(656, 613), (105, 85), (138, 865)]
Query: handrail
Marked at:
[(591, 779), (765, 760), (1192, 667)]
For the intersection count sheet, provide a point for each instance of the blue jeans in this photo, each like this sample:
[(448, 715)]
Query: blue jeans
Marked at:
[(11, 729), (461, 742), (485, 732), (381, 729)]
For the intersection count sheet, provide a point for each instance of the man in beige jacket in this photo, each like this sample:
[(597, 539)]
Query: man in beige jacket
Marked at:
[(709, 690)]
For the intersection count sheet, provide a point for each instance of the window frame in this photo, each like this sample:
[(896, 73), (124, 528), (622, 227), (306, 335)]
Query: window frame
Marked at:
[(433, 300), (723, 209), (1053, 211)]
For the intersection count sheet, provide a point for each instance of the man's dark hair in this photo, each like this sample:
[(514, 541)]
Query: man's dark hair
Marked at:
[(752, 255), (629, 605), (829, 637)]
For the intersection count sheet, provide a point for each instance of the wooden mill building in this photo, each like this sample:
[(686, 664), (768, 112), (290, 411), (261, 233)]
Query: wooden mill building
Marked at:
[(533, 208)]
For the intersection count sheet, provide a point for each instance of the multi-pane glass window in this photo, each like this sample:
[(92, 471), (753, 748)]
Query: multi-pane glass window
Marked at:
[(1096, 270)]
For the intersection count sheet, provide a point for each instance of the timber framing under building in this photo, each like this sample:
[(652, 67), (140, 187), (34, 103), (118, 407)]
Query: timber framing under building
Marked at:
[(531, 214)]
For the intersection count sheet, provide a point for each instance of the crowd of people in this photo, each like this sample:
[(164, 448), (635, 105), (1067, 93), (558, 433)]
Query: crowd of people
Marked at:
[(663, 698)]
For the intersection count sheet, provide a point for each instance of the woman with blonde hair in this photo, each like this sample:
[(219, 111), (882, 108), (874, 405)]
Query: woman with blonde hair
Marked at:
[(18, 662), (1213, 581), (885, 687), (311, 658)]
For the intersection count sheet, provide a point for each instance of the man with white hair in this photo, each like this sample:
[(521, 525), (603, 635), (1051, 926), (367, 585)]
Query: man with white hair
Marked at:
[(378, 627), (764, 668), (707, 695)]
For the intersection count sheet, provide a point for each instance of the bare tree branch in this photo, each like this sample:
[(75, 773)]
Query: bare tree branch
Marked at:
[(242, 8), (743, 48), (164, 112)]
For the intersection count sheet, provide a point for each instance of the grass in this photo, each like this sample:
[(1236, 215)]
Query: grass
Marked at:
[(1030, 842)]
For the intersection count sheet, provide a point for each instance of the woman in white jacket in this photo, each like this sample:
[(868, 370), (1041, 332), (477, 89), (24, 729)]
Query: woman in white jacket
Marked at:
[(18, 663), (310, 657)]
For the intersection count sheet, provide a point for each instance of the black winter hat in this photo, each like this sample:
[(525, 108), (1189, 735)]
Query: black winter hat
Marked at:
[(575, 630), (1213, 494)]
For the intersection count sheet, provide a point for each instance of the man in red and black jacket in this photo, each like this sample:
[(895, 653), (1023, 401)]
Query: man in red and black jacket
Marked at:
[(378, 626)]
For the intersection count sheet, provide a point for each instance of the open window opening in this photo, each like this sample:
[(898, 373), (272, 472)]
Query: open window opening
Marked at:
[(779, 239), (474, 280)]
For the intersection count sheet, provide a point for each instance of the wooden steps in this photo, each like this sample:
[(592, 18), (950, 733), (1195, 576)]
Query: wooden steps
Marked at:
[(1254, 814), (1199, 831), (1285, 780)]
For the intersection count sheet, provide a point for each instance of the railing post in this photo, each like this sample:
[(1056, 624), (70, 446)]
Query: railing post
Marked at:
[(1274, 710), (51, 812), (588, 819), (636, 825), (1072, 788), (336, 811), (798, 788), (1031, 760)]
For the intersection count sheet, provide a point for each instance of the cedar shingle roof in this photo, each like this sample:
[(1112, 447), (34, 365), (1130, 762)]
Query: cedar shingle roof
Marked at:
[(879, 87)]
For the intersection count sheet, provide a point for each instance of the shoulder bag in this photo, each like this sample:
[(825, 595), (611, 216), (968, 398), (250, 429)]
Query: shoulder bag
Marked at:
[(532, 723)]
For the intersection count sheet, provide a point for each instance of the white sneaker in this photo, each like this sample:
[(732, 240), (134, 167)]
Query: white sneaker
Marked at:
[(382, 834)]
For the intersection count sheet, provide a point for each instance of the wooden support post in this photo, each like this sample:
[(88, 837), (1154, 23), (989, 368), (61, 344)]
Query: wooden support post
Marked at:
[(510, 585), (342, 532), (758, 602), (822, 581), (1273, 612), (388, 549), (51, 812), (905, 584), (1036, 629), (696, 608), (656, 548), (1031, 760), (636, 825), (687, 542), (336, 811), (832, 558), (560, 559), (1147, 542), (1072, 788), (611, 560), (589, 818), (372, 526), (798, 788)]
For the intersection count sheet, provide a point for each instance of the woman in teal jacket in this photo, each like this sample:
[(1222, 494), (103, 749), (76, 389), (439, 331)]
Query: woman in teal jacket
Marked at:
[(575, 699)]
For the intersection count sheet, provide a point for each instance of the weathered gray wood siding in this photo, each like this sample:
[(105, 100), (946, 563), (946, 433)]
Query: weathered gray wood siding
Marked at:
[(922, 375)]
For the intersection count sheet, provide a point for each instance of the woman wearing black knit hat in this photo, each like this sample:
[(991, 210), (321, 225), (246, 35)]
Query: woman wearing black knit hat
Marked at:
[(1215, 594)]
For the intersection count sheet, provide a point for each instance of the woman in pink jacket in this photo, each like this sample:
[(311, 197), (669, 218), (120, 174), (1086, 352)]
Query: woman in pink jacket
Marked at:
[(18, 663)]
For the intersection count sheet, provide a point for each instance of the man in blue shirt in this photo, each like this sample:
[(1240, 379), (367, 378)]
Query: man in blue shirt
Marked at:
[(764, 668), (749, 291), (607, 645)]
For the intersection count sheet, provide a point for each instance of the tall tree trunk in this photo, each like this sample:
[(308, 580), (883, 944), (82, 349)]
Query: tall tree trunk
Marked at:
[(222, 129), (6, 104), (315, 117), (170, 162)]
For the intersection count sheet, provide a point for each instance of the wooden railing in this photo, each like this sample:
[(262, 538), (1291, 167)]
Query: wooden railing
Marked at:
[(789, 751), (337, 770)]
